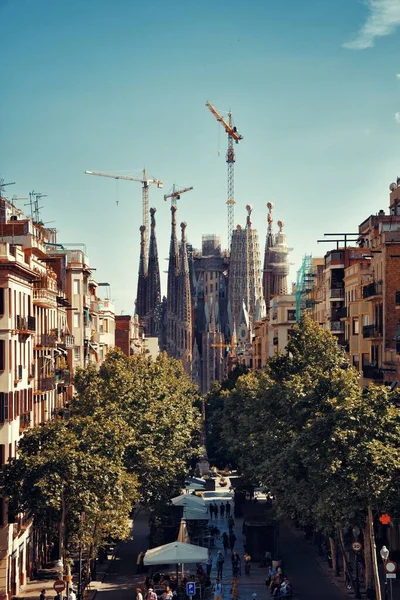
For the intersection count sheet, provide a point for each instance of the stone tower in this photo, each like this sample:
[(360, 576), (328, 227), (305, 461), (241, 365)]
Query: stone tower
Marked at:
[(153, 287), (141, 296), (276, 261)]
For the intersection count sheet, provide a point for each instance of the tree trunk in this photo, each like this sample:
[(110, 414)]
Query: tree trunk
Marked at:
[(347, 570), (332, 547), (367, 558), (373, 552)]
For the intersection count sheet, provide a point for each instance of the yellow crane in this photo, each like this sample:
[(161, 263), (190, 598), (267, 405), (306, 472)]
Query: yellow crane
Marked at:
[(176, 194), (233, 135), (146, 182)]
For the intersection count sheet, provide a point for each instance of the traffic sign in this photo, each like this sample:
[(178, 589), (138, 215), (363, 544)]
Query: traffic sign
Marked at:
[(191, 588), (59, 585), (357, 546), (390, 575), (390, 566)]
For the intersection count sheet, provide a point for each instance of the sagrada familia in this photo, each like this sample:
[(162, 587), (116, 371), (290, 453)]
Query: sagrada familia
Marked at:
[(214, 298)]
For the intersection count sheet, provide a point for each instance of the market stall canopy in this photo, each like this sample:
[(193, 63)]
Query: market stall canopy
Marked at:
[(189, 500), (195, 482), (191, 513), (175, 552)]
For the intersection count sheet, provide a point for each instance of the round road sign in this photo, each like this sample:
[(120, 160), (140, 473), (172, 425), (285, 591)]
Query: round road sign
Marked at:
[(390, 566), (59, 585), (356, 546)]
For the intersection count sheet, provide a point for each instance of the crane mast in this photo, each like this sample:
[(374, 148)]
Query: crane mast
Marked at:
[(145, 196), (233, 136)]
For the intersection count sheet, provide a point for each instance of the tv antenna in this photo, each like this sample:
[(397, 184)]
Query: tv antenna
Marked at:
[(3, 185), (34, 198)]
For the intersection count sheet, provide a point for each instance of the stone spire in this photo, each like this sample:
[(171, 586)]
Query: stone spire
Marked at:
[(153, 282), (185, 339), (172, 286), (141, 296), (267, 271)]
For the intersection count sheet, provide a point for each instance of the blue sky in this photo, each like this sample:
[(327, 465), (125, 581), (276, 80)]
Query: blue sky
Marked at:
[(117, 85)]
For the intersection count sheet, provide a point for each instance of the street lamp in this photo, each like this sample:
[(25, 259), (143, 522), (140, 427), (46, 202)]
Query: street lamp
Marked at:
[(384, 552), (356, 534)]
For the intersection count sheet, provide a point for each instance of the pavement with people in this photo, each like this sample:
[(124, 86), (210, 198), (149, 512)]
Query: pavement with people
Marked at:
[(310, 581)]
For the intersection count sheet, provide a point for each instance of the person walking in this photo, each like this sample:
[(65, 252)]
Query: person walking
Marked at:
[(218, 589), (209, 565), (235, 588), (231, 524), (220, 564), (215, 511), (211, 509), (151, 595), (247, 563), (225, 542), (139, 595), (236, 564), (42, 595), (232, 540), (222, 510), (228, 508)]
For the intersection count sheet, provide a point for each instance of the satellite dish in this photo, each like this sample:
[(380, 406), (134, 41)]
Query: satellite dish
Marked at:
[(392, 187)]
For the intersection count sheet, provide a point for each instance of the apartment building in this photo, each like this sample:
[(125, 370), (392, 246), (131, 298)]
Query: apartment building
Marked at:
[(128, 334), (282, 315)]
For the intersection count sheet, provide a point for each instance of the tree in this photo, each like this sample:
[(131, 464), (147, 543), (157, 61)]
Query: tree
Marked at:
[(161, 406), (66, 467), (326, 448)]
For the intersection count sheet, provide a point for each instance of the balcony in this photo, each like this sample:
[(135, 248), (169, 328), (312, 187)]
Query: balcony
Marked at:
[(24, 422), (63, 376), (372, 372), (371, 331), (371, 290), (44, 297), (45, 384), (94, 306), (67, 340), (337, 327), (341, 313), (337, 293), (46, 340)]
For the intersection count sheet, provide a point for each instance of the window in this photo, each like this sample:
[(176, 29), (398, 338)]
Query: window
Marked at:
[(2, 355), (77, 353), (397, 298), (356, 361), (211, 288), (105, 325), (1, 301), (365, 320), (3, 407), (76, 287), (77, 320), (356, 328), (291, 315)]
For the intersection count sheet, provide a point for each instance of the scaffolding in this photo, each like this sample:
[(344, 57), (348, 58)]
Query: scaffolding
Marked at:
[(304, 284)]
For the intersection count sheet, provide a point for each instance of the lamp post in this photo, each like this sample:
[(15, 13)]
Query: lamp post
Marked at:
[(384, 552), (356, 548)]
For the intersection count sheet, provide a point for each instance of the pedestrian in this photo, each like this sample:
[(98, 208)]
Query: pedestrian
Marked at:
[(167, 595), (139, 562), (218, 589), (151, 595), (209, 564), (71, 595), (42, 595), (228, 508), (211, 509), (222, 510), (247, 563), (215, 510), (225, 542), (220, 564), (232, 540), (231, 523), (235, 588), (236, 564), (139, 595)]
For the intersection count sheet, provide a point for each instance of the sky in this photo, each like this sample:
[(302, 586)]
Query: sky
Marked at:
[(118, 85)]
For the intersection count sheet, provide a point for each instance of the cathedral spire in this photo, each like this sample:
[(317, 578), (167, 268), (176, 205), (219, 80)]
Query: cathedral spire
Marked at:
[(172, 286), (141, 296), (267, 272), (185, 300), (153, 282)]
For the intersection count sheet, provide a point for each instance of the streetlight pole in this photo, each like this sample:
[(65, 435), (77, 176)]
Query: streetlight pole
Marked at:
[(356, 534), (384, 552)]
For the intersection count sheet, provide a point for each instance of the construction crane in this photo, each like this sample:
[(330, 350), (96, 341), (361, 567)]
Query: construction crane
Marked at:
[(176, 194), (145, 194), (233, 135)]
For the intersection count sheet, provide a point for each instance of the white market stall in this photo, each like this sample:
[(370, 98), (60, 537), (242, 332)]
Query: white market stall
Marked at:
[(175, 553)]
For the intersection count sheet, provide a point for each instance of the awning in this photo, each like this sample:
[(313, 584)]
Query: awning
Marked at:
[(174, 553), (189, 500)]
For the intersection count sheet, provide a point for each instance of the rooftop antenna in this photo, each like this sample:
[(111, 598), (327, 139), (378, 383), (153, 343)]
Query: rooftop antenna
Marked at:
[(3, 185), (34, 198)]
